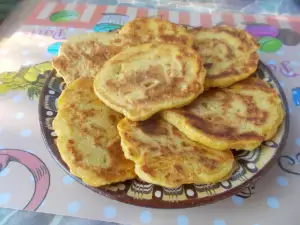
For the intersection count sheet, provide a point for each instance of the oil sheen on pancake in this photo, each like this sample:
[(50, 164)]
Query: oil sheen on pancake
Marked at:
[(239, 117), (229, 54), (166, 157), (83, 55), (142, 80), (146, 30), (88, 139)]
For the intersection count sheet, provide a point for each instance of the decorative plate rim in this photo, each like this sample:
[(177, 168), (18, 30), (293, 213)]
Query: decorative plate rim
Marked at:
[(169, 204)]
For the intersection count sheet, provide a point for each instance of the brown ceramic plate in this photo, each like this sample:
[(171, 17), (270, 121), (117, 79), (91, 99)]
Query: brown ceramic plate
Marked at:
[(251, 165)]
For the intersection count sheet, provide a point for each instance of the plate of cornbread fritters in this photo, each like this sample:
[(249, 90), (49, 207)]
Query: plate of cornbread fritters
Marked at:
[(162, 116)]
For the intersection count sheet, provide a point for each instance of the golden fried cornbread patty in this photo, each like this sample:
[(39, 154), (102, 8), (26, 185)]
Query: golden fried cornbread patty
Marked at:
[(229, 54), (147, 30), (145, 79), (87, 136), (83, 55), (165, 156), (239, 117)]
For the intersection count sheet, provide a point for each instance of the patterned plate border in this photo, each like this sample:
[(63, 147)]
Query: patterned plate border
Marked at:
[(137, 192)]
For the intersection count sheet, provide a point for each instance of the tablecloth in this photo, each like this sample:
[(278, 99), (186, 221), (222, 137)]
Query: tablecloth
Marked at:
[(36, 42)]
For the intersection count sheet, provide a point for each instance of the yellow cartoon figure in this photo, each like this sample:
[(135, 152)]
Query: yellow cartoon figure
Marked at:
[(28, 78)]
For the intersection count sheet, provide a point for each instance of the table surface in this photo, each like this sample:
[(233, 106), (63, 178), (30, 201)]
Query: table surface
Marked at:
[(276, 7)]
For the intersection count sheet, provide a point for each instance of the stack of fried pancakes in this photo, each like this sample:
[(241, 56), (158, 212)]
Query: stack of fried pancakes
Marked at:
[(162, 103)]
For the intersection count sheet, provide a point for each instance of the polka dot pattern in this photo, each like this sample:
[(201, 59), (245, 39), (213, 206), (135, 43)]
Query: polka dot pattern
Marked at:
[(273, 202), (182, 220), (68, 180), (238, 201), (110, 212), (279, 53), (74, 207), (219, 222), (271, 62), (298, 142), (281, 83), (17, 98), (146, 217), (294, 63), (25, 133), (282, 181), (4, 198), (31, 177), (19, 115), (4, 172)]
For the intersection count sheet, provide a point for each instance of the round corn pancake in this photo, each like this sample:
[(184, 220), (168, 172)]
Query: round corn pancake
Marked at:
[(229, 54), (83, 55), (239, 117), (145, 79), (146, 30), (166, 157), (88, 139)]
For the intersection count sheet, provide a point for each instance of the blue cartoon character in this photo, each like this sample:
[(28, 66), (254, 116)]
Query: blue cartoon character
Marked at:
[(296, 96), (54, 48), (110, 22)]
